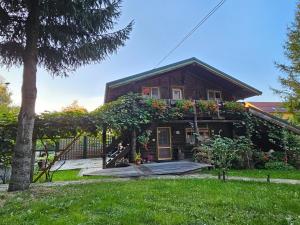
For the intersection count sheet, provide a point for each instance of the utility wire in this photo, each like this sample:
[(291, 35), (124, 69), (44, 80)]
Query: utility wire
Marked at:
[(191, 32)]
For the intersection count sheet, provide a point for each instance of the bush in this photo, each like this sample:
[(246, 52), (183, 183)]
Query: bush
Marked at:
[(278, 165), (223, 151), (202, 154)]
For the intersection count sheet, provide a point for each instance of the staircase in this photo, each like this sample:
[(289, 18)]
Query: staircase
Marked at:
[(114, 153)]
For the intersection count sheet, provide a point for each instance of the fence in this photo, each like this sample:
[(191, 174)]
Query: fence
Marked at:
[(84, 147)]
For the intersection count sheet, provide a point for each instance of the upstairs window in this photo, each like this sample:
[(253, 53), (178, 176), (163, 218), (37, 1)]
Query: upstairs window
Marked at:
[(176, 93), (214, 95), (151, 92)]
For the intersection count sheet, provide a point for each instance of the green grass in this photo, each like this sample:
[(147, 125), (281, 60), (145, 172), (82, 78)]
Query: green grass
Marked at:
[(68, 175), (179, 201), (283, 174)]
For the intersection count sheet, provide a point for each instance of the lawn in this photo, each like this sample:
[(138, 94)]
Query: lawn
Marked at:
[(283, 174), (68, 175), (179, 201)]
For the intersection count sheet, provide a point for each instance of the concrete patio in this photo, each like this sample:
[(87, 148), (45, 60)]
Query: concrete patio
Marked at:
[(166, 168), (72, 164)]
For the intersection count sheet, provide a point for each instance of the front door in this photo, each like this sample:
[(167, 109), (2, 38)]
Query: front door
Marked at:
[(164, 150)]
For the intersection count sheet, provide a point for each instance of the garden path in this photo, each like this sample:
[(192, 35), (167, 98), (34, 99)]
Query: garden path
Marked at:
[(3, 187)]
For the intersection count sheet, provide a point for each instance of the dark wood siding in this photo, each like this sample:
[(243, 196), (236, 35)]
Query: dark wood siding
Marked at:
[(194, 83), (179, 138)]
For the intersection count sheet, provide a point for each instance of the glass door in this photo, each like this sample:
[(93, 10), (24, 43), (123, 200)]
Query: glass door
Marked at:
[(164, 150)]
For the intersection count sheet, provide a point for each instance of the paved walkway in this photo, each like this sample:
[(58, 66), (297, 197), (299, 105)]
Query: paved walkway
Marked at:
[(166, 168), (72, 164), (3, 187)]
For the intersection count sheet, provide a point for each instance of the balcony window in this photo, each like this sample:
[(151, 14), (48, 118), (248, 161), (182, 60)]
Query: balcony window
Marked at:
[(214, 95), (151, 92), (176, 93)]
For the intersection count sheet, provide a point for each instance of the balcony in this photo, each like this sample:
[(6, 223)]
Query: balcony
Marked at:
[(205, 109)]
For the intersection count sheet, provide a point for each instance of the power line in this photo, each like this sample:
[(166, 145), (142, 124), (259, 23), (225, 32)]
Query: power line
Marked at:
[(192, 31)]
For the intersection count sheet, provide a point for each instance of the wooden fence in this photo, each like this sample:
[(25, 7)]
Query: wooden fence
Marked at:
[(84, 147)]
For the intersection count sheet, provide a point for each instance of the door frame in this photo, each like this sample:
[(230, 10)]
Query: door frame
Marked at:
[(157, 144)]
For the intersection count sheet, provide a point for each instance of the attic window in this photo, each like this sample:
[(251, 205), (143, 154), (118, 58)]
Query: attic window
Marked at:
[(151, 92), (214, 95)]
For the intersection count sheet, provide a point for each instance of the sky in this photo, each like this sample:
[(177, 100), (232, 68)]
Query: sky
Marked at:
[(243, 38)]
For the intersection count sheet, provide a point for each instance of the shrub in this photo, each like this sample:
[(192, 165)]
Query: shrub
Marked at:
[(278, 165), (202, 154), (223, 151)]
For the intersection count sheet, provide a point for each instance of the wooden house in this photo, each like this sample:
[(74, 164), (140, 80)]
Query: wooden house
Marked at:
[(188, 79)]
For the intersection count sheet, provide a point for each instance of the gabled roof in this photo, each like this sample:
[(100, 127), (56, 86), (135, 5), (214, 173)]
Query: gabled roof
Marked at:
[(177, 65)]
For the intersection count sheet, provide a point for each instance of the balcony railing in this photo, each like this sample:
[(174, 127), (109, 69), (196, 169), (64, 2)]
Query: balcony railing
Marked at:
[(205, 109)]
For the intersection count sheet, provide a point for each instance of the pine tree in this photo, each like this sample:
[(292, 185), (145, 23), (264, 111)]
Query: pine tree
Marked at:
[(290, 84), (59, 35)]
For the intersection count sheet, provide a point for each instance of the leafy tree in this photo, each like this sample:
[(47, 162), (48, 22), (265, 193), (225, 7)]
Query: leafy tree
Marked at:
[(75, 107), (59, 36), (291, 84), (5, 95)]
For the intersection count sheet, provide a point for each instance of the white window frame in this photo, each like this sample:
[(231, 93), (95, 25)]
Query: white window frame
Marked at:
[(151, 91), (192, 140), (181, 93), (214, 94)]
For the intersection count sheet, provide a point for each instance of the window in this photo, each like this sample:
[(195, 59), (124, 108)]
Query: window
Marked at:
[(151, 92), (214, 95), (176, 93), (189, 136), (204, 134)]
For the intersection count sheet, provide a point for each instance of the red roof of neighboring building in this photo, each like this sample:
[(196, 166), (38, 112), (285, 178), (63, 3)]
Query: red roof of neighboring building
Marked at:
[(270, 107)]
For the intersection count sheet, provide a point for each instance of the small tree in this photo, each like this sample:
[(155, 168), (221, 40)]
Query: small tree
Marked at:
[(223, 151), (5, 94), (75, 107), (59, 36), (290, 91)]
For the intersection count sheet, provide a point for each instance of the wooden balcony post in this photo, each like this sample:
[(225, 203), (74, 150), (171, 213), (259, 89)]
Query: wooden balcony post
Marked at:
[(196, 123)]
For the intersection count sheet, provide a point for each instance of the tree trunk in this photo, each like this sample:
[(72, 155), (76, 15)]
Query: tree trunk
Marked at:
[(21, 163)]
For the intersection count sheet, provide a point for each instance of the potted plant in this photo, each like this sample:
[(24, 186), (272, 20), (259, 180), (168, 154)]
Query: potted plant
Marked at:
[(144, 139), (186, 106), (138, 159)]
